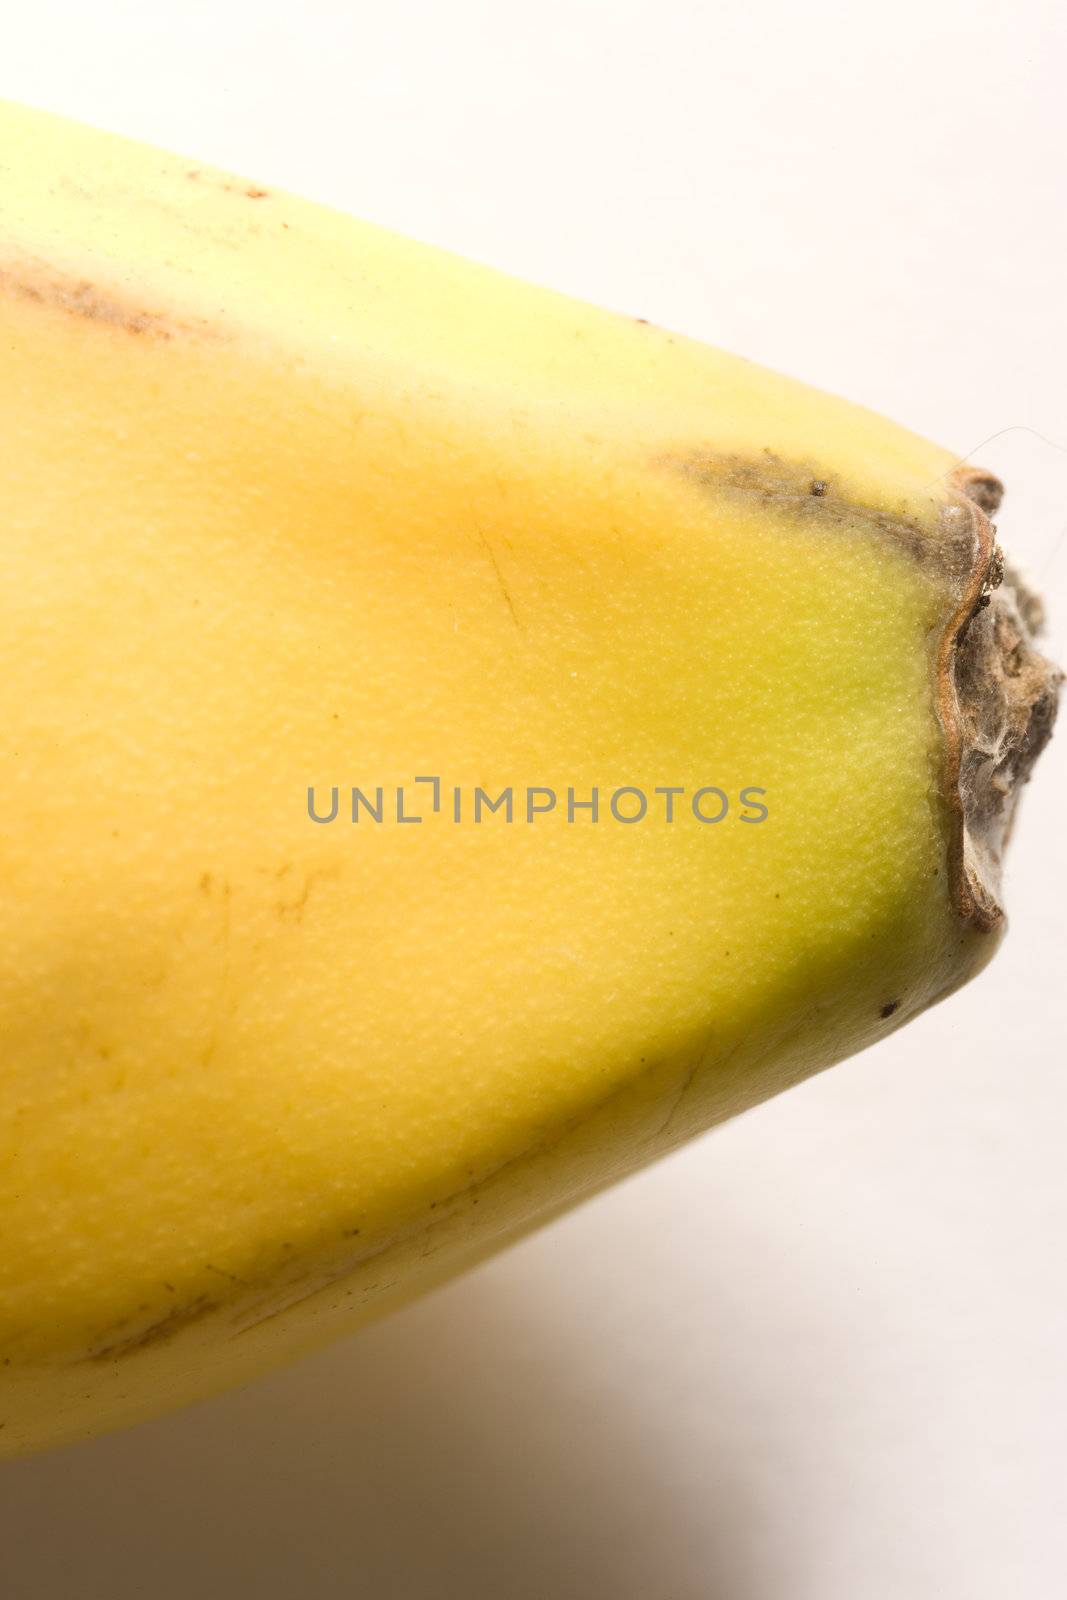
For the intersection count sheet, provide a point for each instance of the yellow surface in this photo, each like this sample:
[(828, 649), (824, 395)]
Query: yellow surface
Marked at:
[(287, 501)]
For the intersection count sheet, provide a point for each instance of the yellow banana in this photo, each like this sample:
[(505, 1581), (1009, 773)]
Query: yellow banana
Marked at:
[(457, 743)]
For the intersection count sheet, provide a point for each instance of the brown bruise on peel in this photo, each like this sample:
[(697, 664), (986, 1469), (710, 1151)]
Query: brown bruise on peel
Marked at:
[(995, 694), (38, 283), (810, 492)]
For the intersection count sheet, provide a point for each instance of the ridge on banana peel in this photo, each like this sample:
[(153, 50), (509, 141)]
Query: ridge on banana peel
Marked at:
[(292, 507)]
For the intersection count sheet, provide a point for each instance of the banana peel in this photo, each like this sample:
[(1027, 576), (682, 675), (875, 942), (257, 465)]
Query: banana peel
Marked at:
[(458, 743)]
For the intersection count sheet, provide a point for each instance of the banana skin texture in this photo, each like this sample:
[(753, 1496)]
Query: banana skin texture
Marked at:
[(290, 504)]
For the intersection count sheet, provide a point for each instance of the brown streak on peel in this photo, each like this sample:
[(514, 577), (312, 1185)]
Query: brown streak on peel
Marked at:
[(40, 284), (157, 1332), (807, 490), (251, 191)]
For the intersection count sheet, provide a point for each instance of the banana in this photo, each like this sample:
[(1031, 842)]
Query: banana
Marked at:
[(457, 743)]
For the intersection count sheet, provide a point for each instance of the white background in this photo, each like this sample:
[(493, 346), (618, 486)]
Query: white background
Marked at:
[(819, 1355)]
